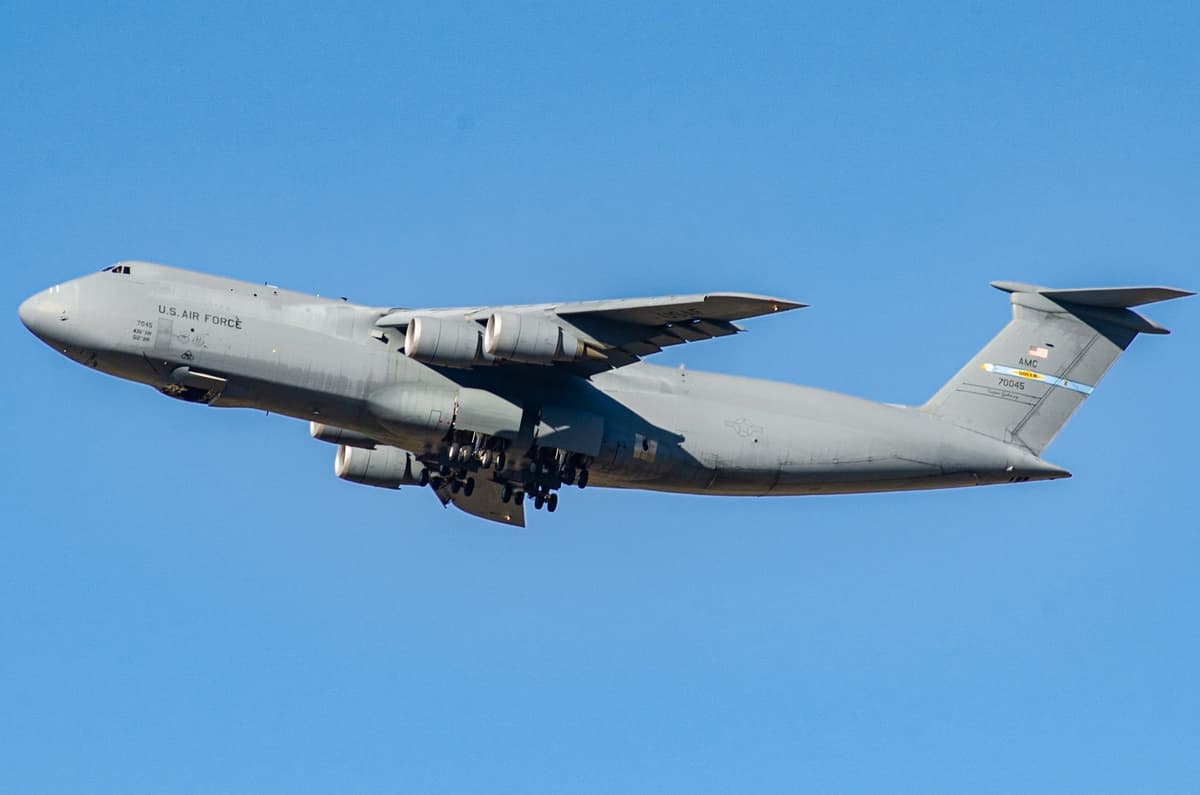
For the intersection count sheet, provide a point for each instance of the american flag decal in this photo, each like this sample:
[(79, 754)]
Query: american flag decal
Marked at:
[(1039, 352)]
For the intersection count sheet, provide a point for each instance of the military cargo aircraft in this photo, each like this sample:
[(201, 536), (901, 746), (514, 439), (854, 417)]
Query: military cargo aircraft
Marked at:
[(497, 407)]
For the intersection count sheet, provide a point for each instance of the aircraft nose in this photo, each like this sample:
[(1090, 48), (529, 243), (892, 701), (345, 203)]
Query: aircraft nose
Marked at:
[(31, 312), (45, 313)]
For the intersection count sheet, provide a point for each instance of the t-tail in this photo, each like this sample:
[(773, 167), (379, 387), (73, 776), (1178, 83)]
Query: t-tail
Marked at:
[(1027, 382)]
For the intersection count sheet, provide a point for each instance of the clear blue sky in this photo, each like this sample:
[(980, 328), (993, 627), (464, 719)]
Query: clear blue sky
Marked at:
[(191, 600)]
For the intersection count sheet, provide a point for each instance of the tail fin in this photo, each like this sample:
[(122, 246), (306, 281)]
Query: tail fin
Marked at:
[(1027, 382)]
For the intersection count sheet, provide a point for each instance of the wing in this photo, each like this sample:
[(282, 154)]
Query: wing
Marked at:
[(622, 331), (485, 502)]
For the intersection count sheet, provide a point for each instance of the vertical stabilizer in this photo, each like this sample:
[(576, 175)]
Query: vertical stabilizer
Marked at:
[(1027, 382)]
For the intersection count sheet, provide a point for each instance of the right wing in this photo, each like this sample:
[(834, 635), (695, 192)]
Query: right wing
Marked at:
[(485, 503)]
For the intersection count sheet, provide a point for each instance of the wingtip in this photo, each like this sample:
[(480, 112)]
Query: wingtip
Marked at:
[(777, 304), (1015, 287), (783, 304)]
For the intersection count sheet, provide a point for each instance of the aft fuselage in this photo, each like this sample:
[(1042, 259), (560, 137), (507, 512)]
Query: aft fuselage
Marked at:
[(663, 429)]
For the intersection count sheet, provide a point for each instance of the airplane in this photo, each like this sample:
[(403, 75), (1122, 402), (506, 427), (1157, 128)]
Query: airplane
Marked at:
[(496, 407)]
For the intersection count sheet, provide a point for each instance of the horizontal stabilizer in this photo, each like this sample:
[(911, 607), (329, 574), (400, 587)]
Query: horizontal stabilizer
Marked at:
[(1104, 297), (1112, 302)]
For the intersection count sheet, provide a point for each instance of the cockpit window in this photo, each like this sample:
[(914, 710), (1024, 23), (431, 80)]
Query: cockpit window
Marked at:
[(123, 269)]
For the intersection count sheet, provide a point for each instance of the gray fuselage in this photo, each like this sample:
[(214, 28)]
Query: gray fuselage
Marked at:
[(663, 429)]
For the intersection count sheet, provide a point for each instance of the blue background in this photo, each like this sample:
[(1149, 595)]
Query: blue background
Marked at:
[(192, 601)]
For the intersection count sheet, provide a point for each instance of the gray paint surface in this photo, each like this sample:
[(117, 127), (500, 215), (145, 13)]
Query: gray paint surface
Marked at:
[(591, 405)]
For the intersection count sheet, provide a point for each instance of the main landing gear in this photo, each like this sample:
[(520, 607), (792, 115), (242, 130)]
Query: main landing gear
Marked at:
[(538, 476), (542, 498), (466, 454), (546, 471)]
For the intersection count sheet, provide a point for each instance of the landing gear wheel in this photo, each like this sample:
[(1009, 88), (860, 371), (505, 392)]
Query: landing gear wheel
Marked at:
[(583, 478), (506, 493), (423, 478), (518, 498), (552, 503), (538, 502), (455, 485), (501, 460), (469, 489), (568, 475)]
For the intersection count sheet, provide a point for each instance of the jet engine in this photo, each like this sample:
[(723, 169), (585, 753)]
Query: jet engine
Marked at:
[(385, 467), (531, 340), (451, 343)]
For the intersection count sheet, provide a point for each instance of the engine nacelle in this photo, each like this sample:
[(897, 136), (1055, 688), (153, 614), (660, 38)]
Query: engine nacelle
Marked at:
[(335, 435), (530, 339), (406, 410), (385, 467), (451, 343)]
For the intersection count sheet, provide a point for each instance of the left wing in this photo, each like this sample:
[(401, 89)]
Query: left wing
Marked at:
[(588, 336)]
